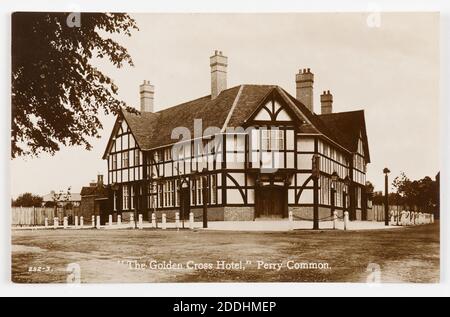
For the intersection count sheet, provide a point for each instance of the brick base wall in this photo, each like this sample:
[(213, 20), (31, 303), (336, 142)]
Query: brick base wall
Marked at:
[(308, 212), (239, 213)]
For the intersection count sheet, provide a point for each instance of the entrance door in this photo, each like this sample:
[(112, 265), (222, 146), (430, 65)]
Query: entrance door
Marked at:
[(270, 202)]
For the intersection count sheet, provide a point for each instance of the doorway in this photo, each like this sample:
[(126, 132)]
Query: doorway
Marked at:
[(271, 202)]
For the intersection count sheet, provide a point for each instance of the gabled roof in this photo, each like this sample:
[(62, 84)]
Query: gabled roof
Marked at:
[(231, 108), (155, 129), (98, 191), (348, 126)]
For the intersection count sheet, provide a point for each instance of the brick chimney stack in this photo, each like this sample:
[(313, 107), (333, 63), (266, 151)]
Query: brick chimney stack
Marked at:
[(100, 180), (147, 92), (304, 82), (218, 63), (326, 101)]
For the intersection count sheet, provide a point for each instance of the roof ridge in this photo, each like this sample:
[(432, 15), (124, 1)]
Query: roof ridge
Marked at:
[(230, 113), (341, 112)]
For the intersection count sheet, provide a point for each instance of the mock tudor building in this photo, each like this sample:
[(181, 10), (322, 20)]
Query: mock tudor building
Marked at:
[(254, 150)]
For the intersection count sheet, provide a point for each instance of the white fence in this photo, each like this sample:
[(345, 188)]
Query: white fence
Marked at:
[(409, 218)]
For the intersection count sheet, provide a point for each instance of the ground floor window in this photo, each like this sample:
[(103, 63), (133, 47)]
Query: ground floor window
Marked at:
[(168, 189), (132, 196), (125, 197), (150, 197), (160, 195), (177, 193), (213, 189), (325, 189), (199, 187)]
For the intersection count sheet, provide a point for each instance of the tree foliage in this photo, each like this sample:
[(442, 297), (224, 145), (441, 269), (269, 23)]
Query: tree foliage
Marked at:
[(422, 193), (57, 93), (27, 200)]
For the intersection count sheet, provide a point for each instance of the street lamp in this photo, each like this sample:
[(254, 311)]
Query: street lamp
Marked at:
[(154, 186), (386, 172), (184, 190), (334, 179)]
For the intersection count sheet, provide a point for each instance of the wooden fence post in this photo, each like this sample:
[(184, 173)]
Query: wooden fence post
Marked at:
[(346, 220), (177, 220), (154, 225)]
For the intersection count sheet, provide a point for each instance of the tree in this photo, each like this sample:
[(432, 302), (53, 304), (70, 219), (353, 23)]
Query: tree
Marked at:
[(394, 198), (56, 91), (62, 197), (27, 200), (422, 193)]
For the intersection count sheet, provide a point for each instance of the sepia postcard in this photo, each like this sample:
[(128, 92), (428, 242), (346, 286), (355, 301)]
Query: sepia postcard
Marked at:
[(275, 147)]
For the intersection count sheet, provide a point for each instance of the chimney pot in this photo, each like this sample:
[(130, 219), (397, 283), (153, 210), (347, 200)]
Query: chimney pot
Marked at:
[(147, 93), (100, 179), (219, 64)]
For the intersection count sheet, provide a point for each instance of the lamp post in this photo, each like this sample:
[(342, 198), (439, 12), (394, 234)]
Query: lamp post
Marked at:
[(315, 176), (184, 190), (386, 172), (334, 179), (154, 186)]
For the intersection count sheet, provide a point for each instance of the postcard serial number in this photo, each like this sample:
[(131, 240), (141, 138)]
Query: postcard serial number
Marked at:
[(39, 269)]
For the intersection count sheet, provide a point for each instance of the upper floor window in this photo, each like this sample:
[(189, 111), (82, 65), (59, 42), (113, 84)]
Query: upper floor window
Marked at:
[(136, 158), (114, 162), (272, 140), (158, 156), (125, 159), (168, 154), (360, 147)]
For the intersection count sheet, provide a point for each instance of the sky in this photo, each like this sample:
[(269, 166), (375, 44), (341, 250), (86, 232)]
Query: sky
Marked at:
[(387, 65)]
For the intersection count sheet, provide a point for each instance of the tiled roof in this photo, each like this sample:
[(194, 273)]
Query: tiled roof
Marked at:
[(153, 130), (347, 126), (99, 191)]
